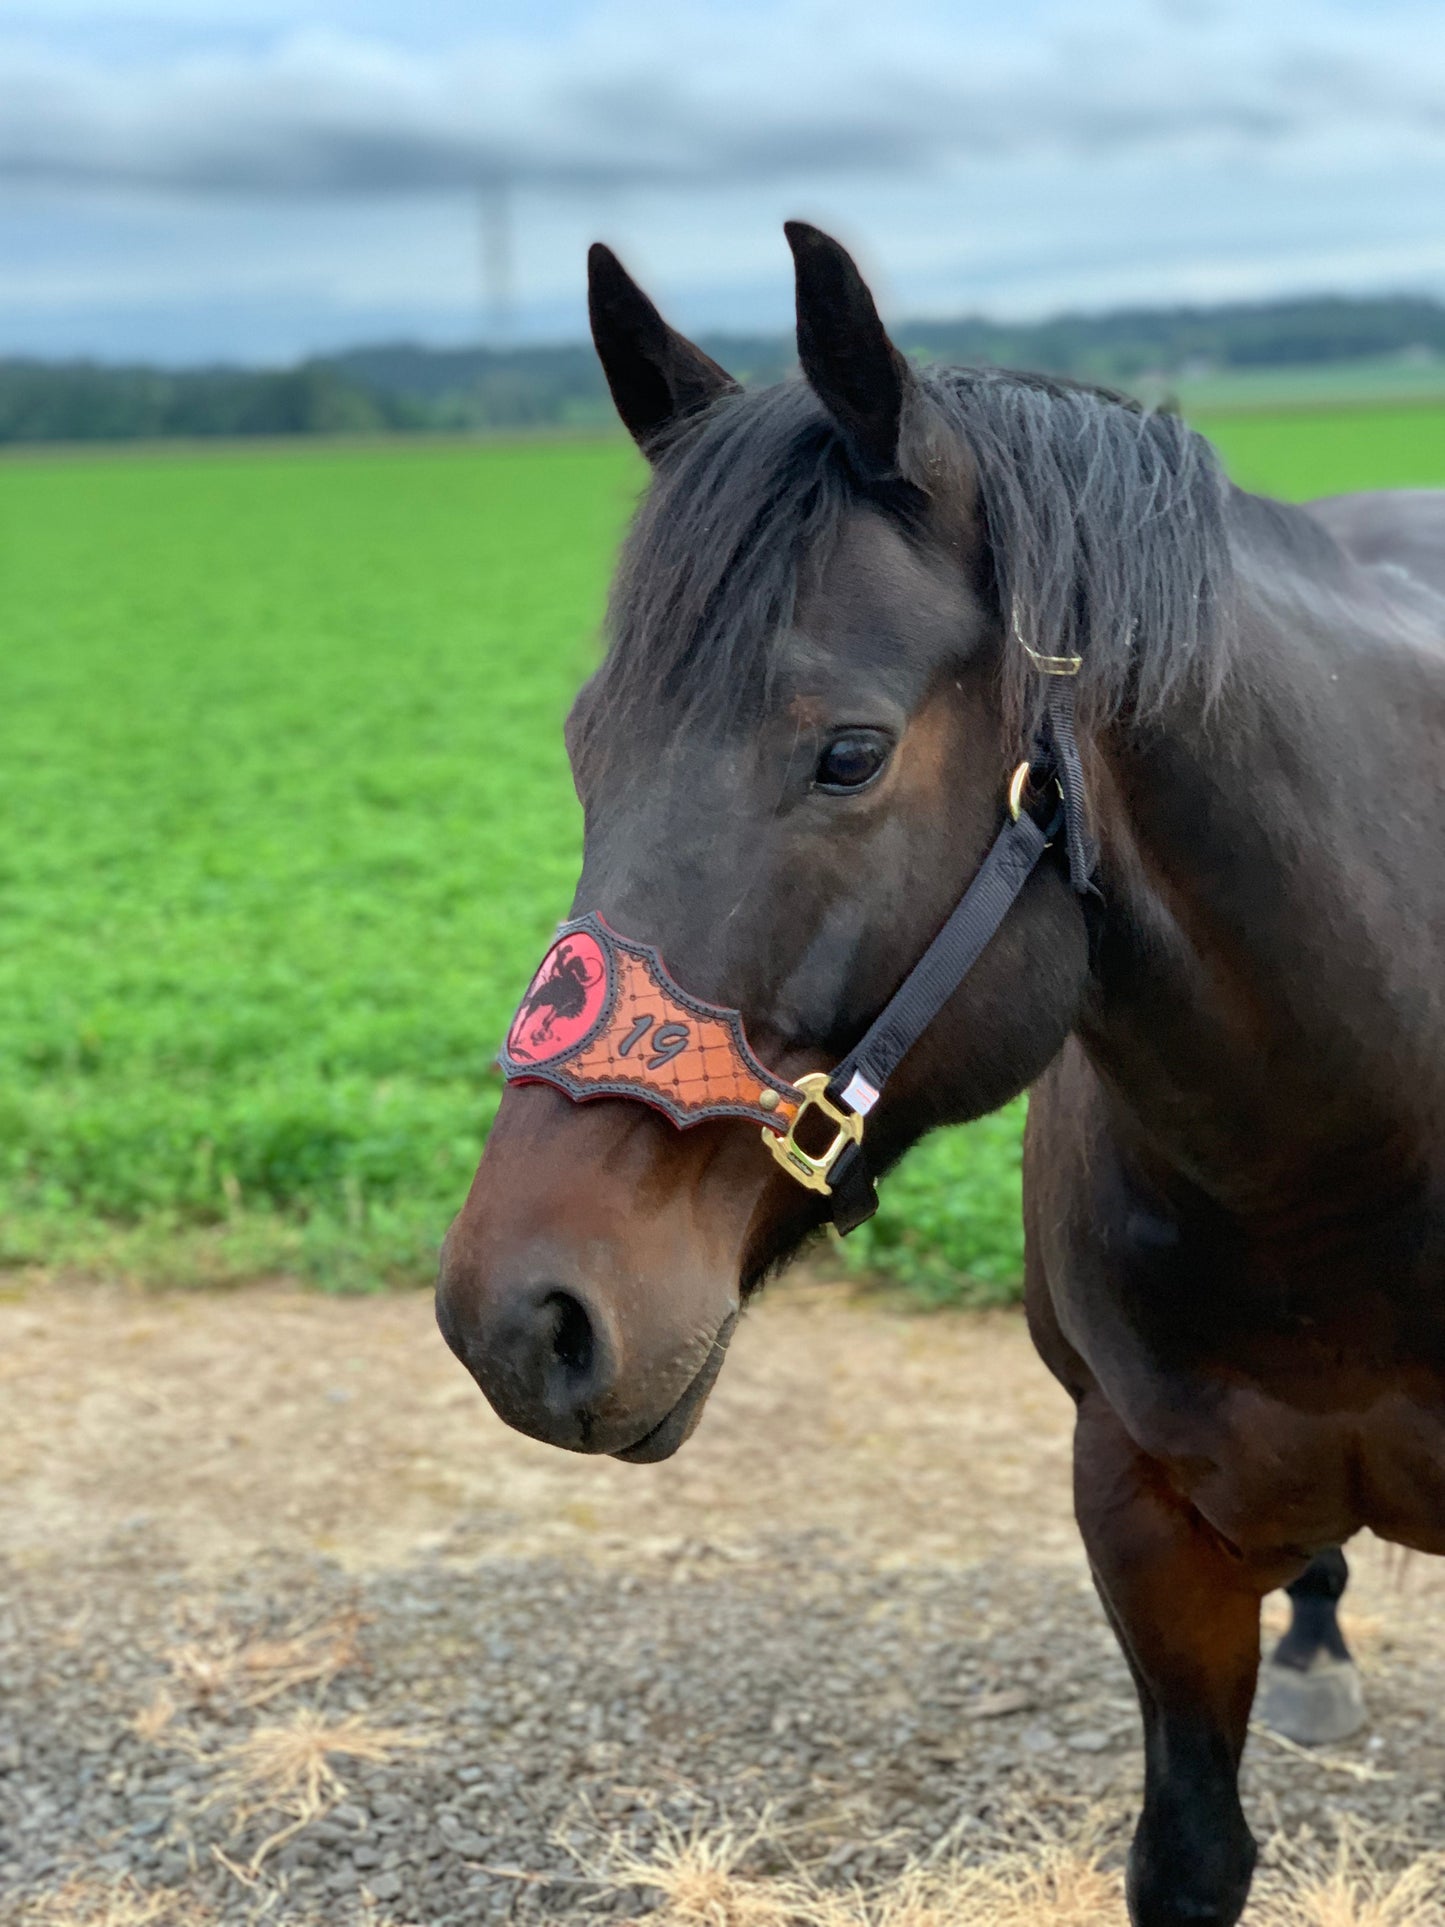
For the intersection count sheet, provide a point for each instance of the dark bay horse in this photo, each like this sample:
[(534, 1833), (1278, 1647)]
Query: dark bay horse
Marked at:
[(827, 633)]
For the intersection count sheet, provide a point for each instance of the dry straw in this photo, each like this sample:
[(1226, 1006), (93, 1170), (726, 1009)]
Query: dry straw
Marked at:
[(222, 1665), (1064, 1878), (223, 1669), (121, 1903), (111, 1903), (288, 1771), (1068, 1880)]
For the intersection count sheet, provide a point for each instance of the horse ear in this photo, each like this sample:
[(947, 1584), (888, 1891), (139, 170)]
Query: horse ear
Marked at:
[(851, 365), (656, 375)]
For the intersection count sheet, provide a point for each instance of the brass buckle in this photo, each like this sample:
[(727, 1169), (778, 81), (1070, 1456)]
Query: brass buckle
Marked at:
[(1017, 786), (812, 1172)]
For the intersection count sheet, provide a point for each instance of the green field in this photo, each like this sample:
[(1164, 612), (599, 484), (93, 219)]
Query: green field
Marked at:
[(286, 821), (1361, 383)]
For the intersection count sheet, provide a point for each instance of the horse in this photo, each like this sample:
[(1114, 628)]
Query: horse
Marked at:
[(849, 605)]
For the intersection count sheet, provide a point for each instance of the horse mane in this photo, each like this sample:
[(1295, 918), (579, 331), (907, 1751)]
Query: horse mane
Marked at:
[(1105, 523)]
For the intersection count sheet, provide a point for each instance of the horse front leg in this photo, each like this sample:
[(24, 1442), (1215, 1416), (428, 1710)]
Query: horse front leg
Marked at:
[(1310, 1687), (1186, 1612)]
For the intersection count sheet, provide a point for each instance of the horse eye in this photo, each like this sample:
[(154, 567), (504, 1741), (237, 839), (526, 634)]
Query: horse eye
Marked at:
[(850, 761)]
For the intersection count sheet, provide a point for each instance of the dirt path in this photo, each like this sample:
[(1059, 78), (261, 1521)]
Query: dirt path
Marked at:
[(851, 1616), (269, 1419)]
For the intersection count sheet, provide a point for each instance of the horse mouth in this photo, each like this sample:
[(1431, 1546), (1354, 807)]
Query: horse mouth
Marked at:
[(678, 1425)]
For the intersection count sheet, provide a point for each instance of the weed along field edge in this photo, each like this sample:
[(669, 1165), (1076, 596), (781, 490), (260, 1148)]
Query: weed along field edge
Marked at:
[(286, 822)]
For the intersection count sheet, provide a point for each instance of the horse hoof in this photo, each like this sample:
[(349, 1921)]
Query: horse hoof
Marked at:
[(1313, 1708)]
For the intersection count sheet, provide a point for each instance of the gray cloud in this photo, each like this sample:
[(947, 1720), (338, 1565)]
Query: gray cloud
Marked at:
[(246, 190), (330, 116)]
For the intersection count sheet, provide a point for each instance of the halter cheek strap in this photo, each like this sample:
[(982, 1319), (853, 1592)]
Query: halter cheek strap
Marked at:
[(1014, 855), (603, 1018), (859, 1080)]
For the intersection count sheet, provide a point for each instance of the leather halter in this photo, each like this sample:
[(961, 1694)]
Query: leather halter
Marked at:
[(603, 1018)]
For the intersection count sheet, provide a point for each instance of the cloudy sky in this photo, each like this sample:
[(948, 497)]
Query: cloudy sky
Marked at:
[(252, 179)]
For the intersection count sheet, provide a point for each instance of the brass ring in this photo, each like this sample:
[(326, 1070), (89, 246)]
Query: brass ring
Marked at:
[(1018, 783)]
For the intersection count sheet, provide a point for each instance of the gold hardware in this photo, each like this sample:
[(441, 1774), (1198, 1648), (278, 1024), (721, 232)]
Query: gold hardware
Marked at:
[(1052, 665), (768, 1098), (1017, 784), (812, 1172)]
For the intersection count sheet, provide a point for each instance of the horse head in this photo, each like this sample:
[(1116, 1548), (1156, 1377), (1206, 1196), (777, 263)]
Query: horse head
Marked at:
[(792, 760)]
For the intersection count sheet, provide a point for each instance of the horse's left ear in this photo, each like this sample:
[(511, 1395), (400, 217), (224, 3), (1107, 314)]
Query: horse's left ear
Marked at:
[(851, 365), (657, 376)]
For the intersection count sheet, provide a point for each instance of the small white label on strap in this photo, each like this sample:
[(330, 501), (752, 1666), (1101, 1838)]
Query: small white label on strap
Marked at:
[(859, 1095)]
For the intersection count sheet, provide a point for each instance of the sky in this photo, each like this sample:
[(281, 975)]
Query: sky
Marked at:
[(252, 180)]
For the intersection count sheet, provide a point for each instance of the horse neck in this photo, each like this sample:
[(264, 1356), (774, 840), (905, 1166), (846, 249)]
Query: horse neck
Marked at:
[(1265, 998)]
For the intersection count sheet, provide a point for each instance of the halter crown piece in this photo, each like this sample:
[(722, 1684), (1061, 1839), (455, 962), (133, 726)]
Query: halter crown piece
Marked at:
[(603, 1018)]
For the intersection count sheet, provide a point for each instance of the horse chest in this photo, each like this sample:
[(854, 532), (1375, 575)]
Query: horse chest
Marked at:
[(1292, 1405), (1298, 1447)]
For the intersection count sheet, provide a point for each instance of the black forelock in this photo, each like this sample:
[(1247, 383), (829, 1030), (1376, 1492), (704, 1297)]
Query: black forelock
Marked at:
[(745, 501), (1105, 524)]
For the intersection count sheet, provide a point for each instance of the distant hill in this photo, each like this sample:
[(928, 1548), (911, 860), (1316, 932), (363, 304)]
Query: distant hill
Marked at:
[(400, 388)]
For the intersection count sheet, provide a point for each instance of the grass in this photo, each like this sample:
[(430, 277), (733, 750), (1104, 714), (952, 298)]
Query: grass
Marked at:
[(1297, 453), (286, 822), (1316, 385), (949, 1228)]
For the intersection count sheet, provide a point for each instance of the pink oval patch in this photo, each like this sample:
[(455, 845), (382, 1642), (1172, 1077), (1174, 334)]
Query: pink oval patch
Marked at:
[(563, 1001)]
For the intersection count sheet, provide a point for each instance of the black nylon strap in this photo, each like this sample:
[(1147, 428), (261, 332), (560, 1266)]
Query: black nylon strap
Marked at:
[(1065, 747), (947, 961), (854, 1197)]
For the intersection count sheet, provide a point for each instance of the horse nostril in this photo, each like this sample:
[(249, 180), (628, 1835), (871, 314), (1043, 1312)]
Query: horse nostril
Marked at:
[(574, 1354), (545, 1355), (574, 1343)]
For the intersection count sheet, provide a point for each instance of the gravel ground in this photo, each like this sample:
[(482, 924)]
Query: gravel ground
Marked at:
[(270, 1567)]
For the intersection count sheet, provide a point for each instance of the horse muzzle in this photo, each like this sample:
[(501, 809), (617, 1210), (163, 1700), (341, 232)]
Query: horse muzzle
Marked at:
[(591, 1282)]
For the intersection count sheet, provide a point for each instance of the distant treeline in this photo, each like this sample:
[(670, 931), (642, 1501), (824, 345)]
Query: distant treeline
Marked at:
[(403, 388)]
